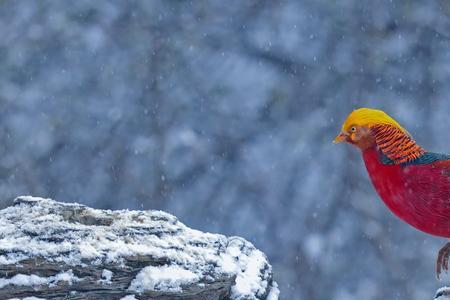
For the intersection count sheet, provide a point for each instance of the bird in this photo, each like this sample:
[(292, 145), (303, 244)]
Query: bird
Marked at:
[(413, 183)]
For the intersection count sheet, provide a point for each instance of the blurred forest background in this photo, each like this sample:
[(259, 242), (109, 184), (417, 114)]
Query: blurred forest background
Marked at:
[(223, 113)]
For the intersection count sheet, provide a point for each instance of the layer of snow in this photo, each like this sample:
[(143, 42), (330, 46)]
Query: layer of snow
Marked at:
[(442, 291), (75, 235), (249, 280), (106, 277), (34, 280), (129, 297), (274, 292), (165, 278)]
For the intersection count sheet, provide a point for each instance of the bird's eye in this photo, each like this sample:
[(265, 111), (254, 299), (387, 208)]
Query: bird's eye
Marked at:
[(353, 129)]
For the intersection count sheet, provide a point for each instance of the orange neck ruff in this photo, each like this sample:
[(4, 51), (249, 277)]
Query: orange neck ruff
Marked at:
[(397, 145)]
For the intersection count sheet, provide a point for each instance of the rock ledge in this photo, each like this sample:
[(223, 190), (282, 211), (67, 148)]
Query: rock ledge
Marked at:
[(56, 250)]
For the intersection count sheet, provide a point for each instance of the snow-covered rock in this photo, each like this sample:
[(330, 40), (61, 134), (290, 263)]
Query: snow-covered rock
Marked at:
[(55, 250), (443, 293)]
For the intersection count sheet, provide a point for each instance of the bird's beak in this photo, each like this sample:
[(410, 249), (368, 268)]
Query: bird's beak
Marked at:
[(340, 138)]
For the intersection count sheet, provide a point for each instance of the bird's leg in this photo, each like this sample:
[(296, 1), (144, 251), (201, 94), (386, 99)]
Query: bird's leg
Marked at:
[(442, 259)]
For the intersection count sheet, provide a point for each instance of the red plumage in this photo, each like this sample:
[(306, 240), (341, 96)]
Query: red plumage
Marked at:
[(419, 194)]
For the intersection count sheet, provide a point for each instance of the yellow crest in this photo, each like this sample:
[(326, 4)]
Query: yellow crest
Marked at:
[(369, 117)]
